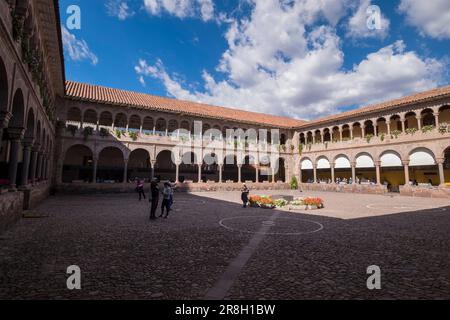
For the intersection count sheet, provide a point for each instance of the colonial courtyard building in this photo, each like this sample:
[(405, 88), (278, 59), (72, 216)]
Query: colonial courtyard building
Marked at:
[(74, 137)]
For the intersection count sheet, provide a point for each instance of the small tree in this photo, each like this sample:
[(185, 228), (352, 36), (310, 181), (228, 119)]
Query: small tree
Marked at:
[(294, 183)]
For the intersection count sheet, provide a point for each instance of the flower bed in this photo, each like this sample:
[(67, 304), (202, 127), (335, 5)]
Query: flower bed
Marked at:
[(267, 202)]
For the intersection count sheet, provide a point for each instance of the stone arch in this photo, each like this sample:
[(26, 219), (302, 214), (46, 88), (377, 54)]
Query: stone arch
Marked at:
[(210, 167), (90, 117), (30, 124), (364, 160), (421, 157), (230, 168), (423, 167), (77, 164), (110, 167), (106, 119), (428, 118), (120, 121), (161, 126), (148, 125), (18, 110), (172, 125), (139, 164), (444, 114), (165, 165), (74, 115), (134, 123)]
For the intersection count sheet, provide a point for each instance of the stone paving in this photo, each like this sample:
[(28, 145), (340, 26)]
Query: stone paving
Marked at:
[(124, 256)]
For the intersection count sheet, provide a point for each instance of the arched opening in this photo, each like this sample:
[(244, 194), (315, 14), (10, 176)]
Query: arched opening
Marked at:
[(444, 114), (411, 121), (173, 126), (395, 123), (423, 170), (210, 167), (148, 126), (18, 111), (106, 119), (165, 167), (265, 169), (365, 169), (392, 173), (282, 139), (307, 168), (139, 165), (381, 127), (357, 131), (309, 137), (188, 168), (428, 119), (323, 170), (74, 117), (326, 135), (90, 118), (230, 169), (248, 170), (161, 127), (342, 170), (280, 171), (29, 133), (336, 136), (369, 128), (120, 123), (110, 167), (346, 132), (78, 165), (302, 138), (135, 124)]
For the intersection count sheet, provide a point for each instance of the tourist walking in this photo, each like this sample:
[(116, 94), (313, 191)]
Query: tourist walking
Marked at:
[(153, 198), (167, 199), (244, 195), (140, 188)]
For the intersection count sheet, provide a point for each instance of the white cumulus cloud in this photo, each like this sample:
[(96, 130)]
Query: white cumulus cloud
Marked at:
[(182, 8), (431, 17), (279, 61), (119, 9), (77, 49)]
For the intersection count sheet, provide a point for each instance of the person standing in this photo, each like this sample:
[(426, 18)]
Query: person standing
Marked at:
[(153, 198), (140, 188), (244, 195), (167, 199)]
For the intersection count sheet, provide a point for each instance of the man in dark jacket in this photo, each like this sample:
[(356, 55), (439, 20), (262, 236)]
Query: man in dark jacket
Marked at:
[(153, 198)]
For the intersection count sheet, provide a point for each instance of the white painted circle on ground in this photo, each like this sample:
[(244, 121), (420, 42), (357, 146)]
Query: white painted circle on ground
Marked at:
[(281, 226)]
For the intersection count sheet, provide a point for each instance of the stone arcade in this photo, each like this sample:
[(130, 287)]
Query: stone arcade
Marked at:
[(69, 136)]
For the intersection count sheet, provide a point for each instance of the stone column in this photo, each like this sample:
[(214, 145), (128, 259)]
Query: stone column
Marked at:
[(351, 132), (363, 131), (353, 164), (153, 163), (406, 167), (177, 172), (39, 166), (377, 169), (199, 172), (419, 122), (15, 135), (273, 175), (220, 172), (94, 170), (332, 172), (239, 173), (402, 120), (375, 130), (34, 157), (257, 174), (340, 134), (300, 176), (315, 173), (388, 125), (26, 161), (440, 163), (436, 119), (125, 171)]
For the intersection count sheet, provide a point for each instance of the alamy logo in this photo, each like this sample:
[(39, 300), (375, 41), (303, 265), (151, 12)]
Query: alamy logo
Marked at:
[(74, 280), (374, 281), (373, 21), (74, 19)]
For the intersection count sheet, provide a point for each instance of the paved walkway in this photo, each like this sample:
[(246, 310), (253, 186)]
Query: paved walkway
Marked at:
[(210, 247)]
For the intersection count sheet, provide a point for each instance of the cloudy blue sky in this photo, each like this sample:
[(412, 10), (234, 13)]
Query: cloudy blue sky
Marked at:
[(296, 58)]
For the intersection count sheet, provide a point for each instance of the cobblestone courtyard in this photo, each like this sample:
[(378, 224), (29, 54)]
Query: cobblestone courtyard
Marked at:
[(210, 247)]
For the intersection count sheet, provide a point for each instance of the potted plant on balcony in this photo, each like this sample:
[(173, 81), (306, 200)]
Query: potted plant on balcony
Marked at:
[(133, 135), (369, 137), (87, 131), (427, 129), (72, 129), (395, 133), (104, 132), (443, 127)]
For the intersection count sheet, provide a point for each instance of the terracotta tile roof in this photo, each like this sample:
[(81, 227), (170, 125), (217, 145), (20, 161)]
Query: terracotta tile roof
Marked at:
[(99, 94), (415, 98)]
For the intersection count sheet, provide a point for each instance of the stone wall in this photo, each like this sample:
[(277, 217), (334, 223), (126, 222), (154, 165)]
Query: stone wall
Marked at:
[(89, 188), (11, 205), (348, 188), (426, 192)]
